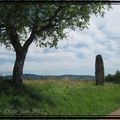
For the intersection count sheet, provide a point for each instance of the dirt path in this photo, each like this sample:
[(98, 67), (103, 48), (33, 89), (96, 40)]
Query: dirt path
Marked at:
[(117, 112)]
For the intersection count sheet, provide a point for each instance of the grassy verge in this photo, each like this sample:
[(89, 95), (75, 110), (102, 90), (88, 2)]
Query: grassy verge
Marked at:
[(66, 97)]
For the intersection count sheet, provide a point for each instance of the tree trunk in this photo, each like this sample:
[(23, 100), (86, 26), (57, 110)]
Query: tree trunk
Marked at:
[(99, 70), (18, 67)]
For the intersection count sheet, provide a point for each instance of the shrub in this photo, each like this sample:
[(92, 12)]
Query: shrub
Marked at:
[(1, 78), (113, 78), (117, 76), (109, 78)]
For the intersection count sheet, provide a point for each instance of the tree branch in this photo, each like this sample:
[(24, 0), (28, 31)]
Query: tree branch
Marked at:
[(55, 14), (29, 40), (2, 25), (43, 28), (14, 39)]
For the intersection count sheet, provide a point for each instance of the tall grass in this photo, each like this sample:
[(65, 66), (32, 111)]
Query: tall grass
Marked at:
[(59, 97)]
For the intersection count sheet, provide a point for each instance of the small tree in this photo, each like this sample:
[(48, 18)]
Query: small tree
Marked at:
[(99, 70), (113, 78), (42, 23), (117, 76), (110, 78)]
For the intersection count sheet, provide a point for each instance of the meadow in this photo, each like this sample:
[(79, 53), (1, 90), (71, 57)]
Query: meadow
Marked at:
[(58, 97)]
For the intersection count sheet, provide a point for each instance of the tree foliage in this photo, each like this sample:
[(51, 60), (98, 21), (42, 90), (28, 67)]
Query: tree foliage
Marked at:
[(44, 22)]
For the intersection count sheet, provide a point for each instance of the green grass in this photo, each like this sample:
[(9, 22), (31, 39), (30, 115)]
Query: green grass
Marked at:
[(65, 97)]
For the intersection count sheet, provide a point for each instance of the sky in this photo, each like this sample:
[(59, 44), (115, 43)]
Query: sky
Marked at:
[(75, 54)]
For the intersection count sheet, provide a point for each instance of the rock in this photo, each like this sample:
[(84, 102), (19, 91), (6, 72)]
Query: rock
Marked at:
[(99, 70)]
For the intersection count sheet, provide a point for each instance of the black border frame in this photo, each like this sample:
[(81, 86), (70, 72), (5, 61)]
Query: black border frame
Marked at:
[(60, 116)]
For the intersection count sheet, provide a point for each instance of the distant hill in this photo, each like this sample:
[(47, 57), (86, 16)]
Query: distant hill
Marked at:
[(56, 77)]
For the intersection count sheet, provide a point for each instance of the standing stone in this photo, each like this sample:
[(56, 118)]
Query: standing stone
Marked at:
[(99, 70)]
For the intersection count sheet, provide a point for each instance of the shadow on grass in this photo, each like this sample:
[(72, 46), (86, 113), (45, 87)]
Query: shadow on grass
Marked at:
[(23, 96)]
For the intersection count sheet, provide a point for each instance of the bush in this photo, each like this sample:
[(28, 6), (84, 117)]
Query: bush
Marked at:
[(109, 78), (1, 78), (113, 78), (117, 76)]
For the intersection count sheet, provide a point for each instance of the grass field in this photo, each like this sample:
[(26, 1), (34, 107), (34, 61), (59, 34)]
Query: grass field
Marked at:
[(55, 97)]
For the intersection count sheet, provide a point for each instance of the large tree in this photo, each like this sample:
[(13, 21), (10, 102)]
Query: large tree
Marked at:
[(42, 23)]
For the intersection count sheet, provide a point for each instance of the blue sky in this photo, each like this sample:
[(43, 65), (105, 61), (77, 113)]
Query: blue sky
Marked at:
[(76, 54)]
